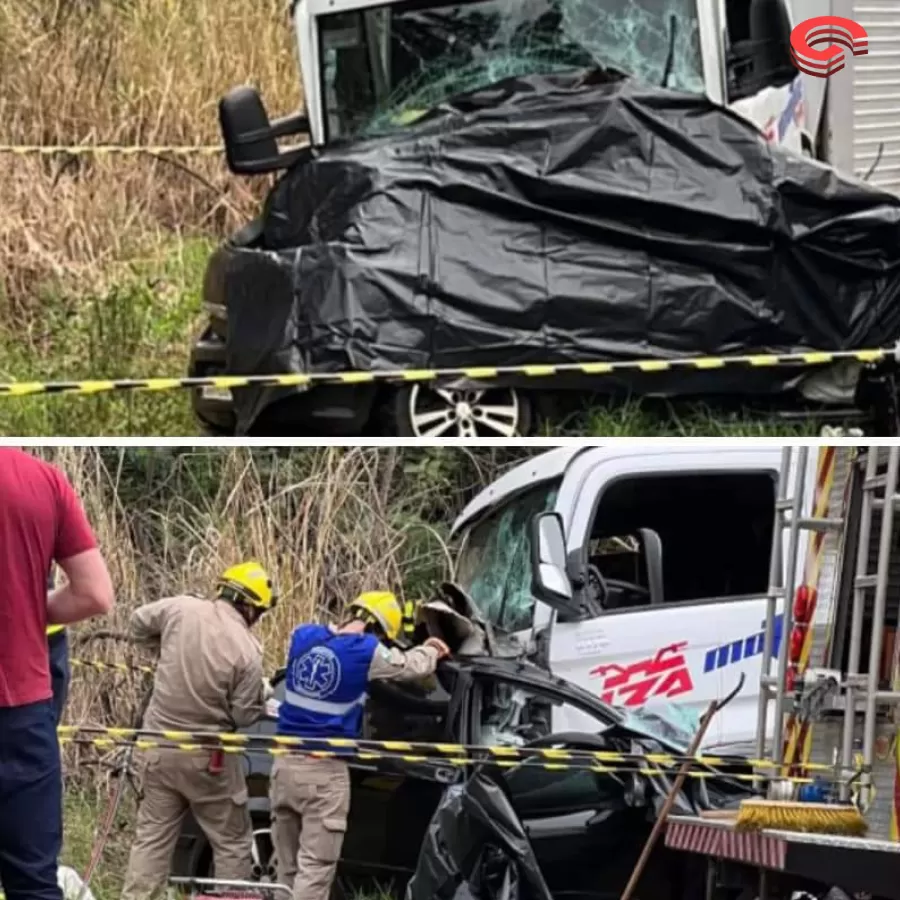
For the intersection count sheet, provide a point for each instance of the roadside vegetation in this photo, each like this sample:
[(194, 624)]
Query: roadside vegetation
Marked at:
[(101, 257), (327, 523)]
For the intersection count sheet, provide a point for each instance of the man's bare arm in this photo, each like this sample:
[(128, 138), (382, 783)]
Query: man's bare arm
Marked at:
[(88, 593)]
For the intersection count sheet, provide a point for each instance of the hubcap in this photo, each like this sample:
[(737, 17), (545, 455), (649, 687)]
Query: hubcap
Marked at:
[(439, 412)]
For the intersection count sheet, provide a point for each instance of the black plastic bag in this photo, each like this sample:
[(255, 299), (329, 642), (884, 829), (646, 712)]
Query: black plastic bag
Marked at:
[(477, 849), (564, 218)]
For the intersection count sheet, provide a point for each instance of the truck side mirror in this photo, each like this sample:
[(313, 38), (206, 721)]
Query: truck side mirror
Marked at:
[(549, 580), (250, 139), (652, 550)]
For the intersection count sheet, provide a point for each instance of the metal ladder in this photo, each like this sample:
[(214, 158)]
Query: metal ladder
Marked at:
[(858, 686), (789, 515)]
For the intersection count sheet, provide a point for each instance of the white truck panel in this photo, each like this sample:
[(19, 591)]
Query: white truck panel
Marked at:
[(876, 93)]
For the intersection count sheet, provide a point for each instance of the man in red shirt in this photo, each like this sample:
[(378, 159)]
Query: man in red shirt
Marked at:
[(41, 522)]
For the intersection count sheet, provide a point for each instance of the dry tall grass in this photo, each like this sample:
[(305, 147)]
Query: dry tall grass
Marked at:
[(326, 523), (132, 72)]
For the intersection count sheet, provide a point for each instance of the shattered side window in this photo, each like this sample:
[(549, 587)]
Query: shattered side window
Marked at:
[(494, 567), (386, 66)]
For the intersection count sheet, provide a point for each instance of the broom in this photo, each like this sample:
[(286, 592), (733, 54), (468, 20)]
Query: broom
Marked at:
[(786, 815)]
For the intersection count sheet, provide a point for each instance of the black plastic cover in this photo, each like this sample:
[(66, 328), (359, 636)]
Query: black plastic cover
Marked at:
[(477, 849), (564, 218)]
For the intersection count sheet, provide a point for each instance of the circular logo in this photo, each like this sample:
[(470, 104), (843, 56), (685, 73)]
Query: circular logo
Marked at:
[(317, 673)]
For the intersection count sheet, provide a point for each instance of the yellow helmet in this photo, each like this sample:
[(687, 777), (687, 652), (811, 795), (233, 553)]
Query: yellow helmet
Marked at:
[(380, 608), (247, 582)]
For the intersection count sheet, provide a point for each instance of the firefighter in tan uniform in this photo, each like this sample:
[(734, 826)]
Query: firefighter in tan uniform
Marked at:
[(209, 678), (328, 671)]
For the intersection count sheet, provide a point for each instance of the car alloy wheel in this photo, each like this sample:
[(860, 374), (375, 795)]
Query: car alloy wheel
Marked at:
[(451, 412)]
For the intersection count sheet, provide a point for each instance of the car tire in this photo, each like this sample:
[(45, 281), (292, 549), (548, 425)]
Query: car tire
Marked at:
[(420, 410)]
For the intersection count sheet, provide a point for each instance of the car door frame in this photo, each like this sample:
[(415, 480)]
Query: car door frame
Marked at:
[(537, 828)]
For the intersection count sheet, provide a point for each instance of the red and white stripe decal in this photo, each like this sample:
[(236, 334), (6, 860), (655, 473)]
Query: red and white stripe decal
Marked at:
[(750, 847)]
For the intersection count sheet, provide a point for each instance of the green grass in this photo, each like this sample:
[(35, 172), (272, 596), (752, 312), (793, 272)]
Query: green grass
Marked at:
[(643, 419), (83, 814), (144, 327)]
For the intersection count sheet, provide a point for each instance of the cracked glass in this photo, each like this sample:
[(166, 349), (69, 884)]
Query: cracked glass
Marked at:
[(386, 66), (494, 563)]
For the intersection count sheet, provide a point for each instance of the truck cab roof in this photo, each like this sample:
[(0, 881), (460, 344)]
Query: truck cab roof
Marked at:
[(574, 463)]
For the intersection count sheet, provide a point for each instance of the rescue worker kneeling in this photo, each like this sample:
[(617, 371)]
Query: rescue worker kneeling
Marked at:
[(328, 671), (209, 678)]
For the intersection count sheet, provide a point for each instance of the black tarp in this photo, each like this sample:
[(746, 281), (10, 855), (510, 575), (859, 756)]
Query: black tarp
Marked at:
[(477, 849), (562, 218)]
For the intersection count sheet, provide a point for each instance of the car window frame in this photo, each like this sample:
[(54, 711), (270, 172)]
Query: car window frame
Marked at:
[(552, 693)]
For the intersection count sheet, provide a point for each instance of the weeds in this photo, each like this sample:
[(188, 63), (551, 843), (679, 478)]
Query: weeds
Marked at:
[(327, 523)]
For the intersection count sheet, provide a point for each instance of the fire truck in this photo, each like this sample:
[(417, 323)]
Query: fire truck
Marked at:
[(828, 700)]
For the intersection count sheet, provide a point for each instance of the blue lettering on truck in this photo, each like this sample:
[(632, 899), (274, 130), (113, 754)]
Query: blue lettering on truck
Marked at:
[(743, 648)]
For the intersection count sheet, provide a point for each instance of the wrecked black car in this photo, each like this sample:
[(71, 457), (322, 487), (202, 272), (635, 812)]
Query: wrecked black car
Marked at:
[(561, 218), (585, 828)]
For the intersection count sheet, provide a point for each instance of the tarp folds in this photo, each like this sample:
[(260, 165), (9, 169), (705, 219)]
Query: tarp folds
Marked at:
[(476, 849), (563, 218)]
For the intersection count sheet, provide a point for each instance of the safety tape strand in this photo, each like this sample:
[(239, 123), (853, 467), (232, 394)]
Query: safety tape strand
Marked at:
[(469, 373), (110, 150), (445, 751), (103, 666), (361, 755)]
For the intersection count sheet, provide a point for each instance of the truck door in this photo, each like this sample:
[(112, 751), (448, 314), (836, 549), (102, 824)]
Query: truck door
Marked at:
[(671, 553), (761, 81)]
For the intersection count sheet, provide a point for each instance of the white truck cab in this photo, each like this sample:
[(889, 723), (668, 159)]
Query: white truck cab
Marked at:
[(369, 67), (654, 568), (370, 64)]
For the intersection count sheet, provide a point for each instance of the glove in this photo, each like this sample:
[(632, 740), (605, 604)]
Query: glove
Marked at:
[(268, 690), (442, 649)]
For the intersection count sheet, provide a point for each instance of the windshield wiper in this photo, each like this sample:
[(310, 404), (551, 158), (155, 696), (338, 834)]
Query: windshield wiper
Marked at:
[(670, 56)]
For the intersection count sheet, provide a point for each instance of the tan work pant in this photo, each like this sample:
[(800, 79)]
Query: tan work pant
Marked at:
[(310, 801), (173, 782)]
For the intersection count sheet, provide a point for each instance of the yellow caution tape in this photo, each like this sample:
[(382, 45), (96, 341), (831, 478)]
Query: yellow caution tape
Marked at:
[(102, 666), (445, 751), (369, 755), (472, 373), (109, 150)]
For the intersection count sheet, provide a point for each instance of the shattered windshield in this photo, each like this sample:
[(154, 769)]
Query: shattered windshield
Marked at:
[(670, 722), (385, 66), (494, 565)]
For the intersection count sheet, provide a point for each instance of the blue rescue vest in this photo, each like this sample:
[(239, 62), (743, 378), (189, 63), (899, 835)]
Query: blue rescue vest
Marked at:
[(325, 684)]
